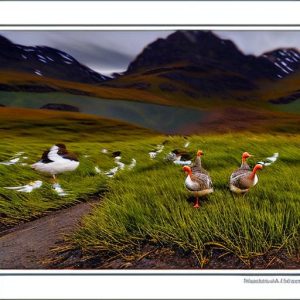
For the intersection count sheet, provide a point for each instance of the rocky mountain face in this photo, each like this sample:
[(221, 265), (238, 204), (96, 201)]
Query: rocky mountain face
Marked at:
[(204, 62), (45, 61), (205, 49), (287, 60)]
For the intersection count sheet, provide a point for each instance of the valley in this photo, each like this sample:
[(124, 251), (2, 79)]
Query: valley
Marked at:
[(187, 92)]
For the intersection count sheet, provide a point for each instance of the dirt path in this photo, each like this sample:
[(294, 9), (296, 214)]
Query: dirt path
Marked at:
[(28, 245)]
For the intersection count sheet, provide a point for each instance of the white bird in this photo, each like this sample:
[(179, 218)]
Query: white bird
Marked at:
[(269, 160), (104, 151), (56, 160), (28, 188), (186, 144), (19, 153), (97, 170), (112, 172), (152, 154), (132, 164), (58, 189), (182, 162), (159, 149), (273, 158), (178, 157), (121, 165), (10, 162)]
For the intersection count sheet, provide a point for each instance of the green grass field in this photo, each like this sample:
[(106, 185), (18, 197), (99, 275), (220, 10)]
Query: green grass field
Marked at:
[(149, 203)]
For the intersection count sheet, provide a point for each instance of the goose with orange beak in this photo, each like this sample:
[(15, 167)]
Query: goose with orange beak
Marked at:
[(242, 179), (244, 165), (198, 180)]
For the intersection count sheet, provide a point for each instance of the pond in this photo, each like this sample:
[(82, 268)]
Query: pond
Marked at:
[(164, 119)]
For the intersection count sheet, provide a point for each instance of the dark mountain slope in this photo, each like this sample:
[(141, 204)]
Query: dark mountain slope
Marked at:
[(44, 61)]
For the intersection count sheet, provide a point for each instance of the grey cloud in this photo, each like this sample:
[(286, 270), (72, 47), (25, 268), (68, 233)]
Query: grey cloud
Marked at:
[(99, 57)]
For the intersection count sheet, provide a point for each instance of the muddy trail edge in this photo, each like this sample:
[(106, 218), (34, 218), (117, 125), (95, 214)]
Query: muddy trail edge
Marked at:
[(28, 246)]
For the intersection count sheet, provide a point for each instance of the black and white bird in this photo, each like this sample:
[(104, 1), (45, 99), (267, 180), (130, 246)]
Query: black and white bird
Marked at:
[(56, 160), (179, 157), (269, 160)]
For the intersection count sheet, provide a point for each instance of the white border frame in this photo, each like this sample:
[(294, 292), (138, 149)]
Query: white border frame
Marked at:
[(149, 284)]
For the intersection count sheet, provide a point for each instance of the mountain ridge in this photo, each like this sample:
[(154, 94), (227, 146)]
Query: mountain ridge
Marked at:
[(190, 68), (45, 61)]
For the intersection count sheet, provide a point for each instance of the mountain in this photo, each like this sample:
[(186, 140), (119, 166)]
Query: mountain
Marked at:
[(204, 51), (199, 65), (187, 68), (207, 51), (42, 61)]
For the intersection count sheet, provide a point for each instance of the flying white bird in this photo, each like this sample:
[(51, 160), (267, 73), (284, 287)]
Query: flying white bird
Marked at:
[(186, 144), (10, 162), (28, 188), (58, 189), (132, 164), (112, 172), (97, 170), (269, 160), (159, 149)]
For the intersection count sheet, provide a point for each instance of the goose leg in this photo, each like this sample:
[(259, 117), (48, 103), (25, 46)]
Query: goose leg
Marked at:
[(196, 203)]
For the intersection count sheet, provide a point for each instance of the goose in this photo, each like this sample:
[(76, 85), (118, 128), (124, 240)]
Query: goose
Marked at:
[(198, 180), (56, 160), (243, 179), (244, 164)]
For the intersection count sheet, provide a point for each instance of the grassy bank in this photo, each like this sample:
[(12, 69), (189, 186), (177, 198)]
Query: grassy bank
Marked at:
[(150, 205)]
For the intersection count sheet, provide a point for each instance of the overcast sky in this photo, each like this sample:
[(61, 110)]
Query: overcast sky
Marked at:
[(112, 51)]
